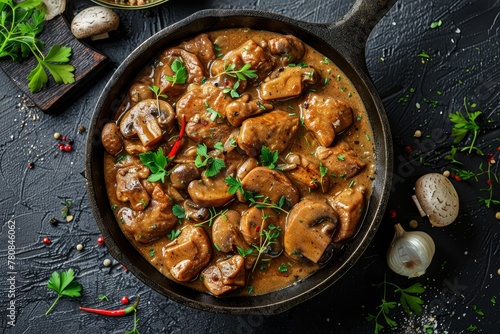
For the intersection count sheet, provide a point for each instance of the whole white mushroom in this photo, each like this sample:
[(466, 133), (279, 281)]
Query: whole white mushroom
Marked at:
[(437, 199), (94, 22)]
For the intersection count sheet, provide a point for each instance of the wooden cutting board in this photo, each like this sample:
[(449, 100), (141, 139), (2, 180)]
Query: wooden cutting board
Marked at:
[(54, 98)]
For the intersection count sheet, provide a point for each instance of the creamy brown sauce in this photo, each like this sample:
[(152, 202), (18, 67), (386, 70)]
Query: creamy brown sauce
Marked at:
[(331, 83)]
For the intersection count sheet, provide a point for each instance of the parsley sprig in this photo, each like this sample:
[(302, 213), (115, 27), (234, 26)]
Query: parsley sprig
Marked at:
[(65, 285), (410, 302), (180, 72), (156, 162), (214, 165), (269, 158), (20, 23), (465, 124)]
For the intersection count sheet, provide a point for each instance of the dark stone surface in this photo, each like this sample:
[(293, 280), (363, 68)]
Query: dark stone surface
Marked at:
[(418, 93)]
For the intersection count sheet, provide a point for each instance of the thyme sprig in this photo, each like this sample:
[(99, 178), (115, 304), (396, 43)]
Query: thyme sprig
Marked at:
[(213, 214), (267, 238)]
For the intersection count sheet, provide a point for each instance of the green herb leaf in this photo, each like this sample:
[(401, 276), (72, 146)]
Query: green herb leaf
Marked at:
[(174, 234), (234, 185), (283, 268), (436, 24), (156, 162), (214, 165), (178, 211), (242, 74), (213, 113), (103, 297), (269, 159), (463, 125), (65, 285), (180, 72)]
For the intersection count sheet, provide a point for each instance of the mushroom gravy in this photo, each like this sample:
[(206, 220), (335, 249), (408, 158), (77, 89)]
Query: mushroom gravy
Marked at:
[(296, 145)]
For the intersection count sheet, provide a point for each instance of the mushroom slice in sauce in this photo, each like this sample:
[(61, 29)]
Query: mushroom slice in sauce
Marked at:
[(274, 130), (225, 276), (156, 221), (188, 254), (145, 121), (253, 223), (325, 117), (309, 229), (226, 234), (182, 174), (350, 205), (194, 211), (341, 160), (288, 82), (290, 48), (210, 191), (270, 184), (139, 92)]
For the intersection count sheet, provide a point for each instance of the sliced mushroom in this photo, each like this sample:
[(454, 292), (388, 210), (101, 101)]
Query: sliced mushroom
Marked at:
[(226, 234), (341, 160), (350, 205), (325, 117), (182, 174), (309, 229), (246, 167), (145, 121), (140, 91), (194, 211), (95, 22), (210, 191), (437, 199), (270, 184), (287, 83), (188, 254), (274, 130), (225, 276), (253, 223), (156, 221)]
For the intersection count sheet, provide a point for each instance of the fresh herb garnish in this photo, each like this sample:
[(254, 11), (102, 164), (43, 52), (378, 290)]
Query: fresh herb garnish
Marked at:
[(244, 253), (436, 24), (156, 162), (174, 234), (66, 206), (410, 302), (214, 165), (234, 185), (179, 212), (463, 125), (152, 252), (213, 214), (268, 158), (156, 91), (213, 113), (491, 179), (267, 238), (134, 330), (423, 54), (242, 74), (283, 268), (266, 203), (180, 72), (103, 297), (65, 285), (323, 171), (20, 23), (233, 91)]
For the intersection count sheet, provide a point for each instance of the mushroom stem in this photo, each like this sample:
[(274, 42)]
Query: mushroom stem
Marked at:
[(419, 207), (104, 35)]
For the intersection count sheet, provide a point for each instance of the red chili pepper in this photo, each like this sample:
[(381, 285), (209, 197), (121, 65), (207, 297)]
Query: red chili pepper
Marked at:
[(488, 182), (113, 313), (257, 229), (458, 178), (392, 213), (178, 142)]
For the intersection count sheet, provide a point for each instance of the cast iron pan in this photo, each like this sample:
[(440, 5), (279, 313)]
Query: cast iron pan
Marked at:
[(343, 42)]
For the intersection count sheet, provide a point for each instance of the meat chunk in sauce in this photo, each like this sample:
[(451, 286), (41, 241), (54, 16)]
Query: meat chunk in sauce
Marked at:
[(341, 160), (287, 83), (274, 130), (156, 221), (325, 117), (111, 138), (290, 48), (241, 109), (201, 46), (194, 69), (225, 276), (250, 52), (350, 205), (128, 183), (308, 172), (201, 124), (188, 254)]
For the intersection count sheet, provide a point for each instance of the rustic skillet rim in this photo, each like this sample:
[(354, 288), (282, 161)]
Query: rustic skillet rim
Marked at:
[(264, 304)]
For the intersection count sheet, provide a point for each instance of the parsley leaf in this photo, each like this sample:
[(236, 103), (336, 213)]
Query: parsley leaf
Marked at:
[(213, 113), (180, 72), (178, 211), (214, 165), (20, 23), (65, 285), (174, 234), (234, 185), (269, 158), (462, 126), (156, 162)]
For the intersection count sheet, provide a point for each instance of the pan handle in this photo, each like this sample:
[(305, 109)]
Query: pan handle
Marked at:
[(350, 33)]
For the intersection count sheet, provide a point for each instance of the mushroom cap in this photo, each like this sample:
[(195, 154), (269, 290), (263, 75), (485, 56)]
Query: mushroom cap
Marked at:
[(54, 8), (93, 21), (437, 198)]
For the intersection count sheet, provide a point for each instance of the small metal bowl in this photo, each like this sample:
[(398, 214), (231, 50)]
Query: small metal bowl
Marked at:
[(125, 4)]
